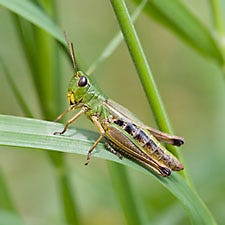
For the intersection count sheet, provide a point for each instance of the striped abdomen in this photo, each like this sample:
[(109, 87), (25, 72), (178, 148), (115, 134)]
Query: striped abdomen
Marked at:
[(150, 145)]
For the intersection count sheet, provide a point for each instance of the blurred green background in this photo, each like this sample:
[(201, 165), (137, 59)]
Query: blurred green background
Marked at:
[(192, 89)]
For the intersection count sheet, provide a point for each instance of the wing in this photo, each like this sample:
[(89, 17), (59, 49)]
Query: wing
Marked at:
[(117, 142), (130, 117)]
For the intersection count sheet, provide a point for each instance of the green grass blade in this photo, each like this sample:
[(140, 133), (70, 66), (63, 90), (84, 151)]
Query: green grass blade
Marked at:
[(8, 212), (152, 93), (38, 134), (5, 200), (217, 16), (176, 16), (35, 15), (25, 33), (46, 77), (218, 22), (143, 69), (71, 209), (41, 55), (125, 194), (17, 93)]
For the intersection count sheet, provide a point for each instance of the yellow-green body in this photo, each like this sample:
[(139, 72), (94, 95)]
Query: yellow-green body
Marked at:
[(124, 134)]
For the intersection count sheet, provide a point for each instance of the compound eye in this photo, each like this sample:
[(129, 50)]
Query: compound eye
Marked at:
[(83, 81)]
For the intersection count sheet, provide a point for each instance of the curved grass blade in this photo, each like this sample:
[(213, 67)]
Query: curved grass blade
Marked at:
[(35, 15), (38, 134), (177, 17)]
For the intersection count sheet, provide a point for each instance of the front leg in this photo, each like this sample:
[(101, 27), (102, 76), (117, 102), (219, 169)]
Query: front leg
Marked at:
[(102, 133), (84, 109), (64, 113)]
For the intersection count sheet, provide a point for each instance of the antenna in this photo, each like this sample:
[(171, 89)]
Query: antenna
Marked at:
[(71, 49)]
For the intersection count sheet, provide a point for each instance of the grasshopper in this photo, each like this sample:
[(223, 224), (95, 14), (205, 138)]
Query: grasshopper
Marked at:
[(124, 134)]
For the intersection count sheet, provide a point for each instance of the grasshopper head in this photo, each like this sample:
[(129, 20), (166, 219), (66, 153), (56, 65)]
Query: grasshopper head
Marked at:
[(78, 89)]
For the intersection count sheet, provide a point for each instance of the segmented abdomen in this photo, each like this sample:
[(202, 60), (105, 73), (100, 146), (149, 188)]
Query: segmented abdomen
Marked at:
[(151, 146)]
